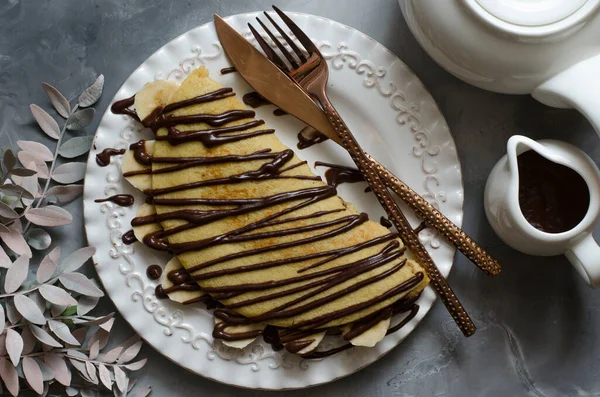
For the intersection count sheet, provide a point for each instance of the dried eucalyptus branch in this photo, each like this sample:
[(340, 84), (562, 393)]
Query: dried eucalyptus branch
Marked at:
[(48, 342)]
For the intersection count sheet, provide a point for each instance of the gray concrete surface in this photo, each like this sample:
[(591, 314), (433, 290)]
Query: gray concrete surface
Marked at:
[(538, 321)]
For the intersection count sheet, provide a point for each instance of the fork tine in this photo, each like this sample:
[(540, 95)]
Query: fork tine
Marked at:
[(300, 35), (272, 55), (285, 52), (287, 38)]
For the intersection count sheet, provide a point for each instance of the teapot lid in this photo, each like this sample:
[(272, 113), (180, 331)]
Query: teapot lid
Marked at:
[(533, 17), (531, 12)]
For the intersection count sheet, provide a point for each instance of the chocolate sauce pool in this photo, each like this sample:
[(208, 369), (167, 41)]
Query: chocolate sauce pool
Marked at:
[(553, 198)]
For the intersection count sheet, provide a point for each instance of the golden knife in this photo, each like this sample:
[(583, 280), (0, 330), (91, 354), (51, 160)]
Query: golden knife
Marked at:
[(266, 78)]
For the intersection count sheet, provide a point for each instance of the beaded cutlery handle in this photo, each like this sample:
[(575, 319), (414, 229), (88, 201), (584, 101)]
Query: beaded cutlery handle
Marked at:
[(434, 218), (408, 235)]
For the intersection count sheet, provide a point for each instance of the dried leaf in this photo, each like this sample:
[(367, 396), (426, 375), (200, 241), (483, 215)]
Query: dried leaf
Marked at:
[(16, 242), (5, 261), (58, 100), (61, 330), (100, 335), (80, 334), (38, 239), (86, 304), (50, 215), (7, 212), (77, 259), (76, 354), (14, 345), (79, 283), (121, 379), (29, 310), (33, 162), (112, 355), (80, 366), (107, 325), (9, 376), (58, 365), (36, 148), (132, 383), (48, 266), (130, 353), (65, 194), (91, 370), (16, 274), (33, 374), (29, 183), (47, 371), (9, 160), (11, 311), (136, 365), (57, 295), (105, 376), (28, 340), (16, 191), (94, 350), (43, 336), (45, 121), (80, 119), (71, 391), (92, 93), (69, 173), (37, 298), (75, 147), (23, 172)]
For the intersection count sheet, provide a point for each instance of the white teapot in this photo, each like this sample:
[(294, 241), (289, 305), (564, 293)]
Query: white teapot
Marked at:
[(547, 48)]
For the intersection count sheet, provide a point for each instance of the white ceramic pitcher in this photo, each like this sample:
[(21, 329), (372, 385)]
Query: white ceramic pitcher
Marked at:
[(506, 218), (547, 48)]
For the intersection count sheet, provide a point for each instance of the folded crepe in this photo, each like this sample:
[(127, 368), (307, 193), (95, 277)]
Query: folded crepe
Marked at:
[(254, 228)]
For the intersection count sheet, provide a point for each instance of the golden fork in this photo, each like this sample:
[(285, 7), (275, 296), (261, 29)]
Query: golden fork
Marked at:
[(311, 73)]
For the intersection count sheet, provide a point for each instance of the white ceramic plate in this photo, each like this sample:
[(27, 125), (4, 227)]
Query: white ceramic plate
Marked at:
[(392, 115)]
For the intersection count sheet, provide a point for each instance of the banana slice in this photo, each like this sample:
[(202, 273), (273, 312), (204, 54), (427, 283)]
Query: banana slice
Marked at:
[(177, 296), (130, 164), (372, 336), (154, 95), (315, 338), (238, 329), (142, 231)]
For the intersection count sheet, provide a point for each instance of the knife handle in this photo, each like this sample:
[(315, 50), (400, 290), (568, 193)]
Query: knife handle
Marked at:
[(405, 230), (434, 218)]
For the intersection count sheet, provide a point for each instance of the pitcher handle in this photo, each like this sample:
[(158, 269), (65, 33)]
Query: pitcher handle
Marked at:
[(576, 87), (584, 255)]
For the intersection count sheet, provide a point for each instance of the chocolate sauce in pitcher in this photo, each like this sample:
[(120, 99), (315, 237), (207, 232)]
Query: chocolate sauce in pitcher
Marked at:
[(553, 198)]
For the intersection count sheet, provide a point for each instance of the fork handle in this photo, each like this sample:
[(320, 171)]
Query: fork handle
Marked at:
[(434, 218), (406, 232)]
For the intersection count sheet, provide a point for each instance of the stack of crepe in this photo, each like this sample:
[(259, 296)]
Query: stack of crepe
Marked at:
[(252, 228)]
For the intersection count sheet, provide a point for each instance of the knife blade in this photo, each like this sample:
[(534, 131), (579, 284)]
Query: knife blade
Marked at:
[(279, 89), (269, 81)]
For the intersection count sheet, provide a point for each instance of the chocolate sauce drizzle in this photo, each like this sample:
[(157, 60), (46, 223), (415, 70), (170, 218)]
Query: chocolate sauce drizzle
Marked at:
[(308, 137), (103, 158), (338, 174), (153, 272), (255, 100), (124, 200), (128, 237), (314, 280), (228, 70)]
